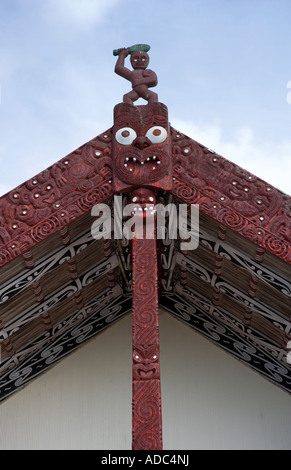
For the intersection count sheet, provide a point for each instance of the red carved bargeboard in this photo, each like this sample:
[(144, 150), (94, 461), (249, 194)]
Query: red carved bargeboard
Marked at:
[(234, 197), (51, 200), (227, 193)]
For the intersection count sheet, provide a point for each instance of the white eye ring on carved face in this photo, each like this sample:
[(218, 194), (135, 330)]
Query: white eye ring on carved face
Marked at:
[(157, 134), (125, 136)]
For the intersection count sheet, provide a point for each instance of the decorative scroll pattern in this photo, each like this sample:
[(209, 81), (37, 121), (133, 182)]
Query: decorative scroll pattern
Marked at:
[(55, 197), (24, 280), (266, 275), (234, 292), (71, 288), (220, 327), (146, 406), (67, 336), (60, 194), (225, 250), (234, 197)]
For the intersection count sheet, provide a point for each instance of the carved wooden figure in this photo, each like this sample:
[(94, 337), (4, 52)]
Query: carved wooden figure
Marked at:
[(140, 78), (142, 164)]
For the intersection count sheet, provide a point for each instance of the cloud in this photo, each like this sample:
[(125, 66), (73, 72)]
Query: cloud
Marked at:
[(80, 13), (268, 160)]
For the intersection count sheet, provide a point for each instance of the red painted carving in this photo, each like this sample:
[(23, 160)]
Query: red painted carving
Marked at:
[(140, 78), (141, 146), (141, 153), (234, 197), (146, 391), (51, 200), (237, 199)]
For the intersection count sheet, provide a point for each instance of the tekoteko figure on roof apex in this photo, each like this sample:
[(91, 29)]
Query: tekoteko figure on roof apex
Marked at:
[(140, 78)]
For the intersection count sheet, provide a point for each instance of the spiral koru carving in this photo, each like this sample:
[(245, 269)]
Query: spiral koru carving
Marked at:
[(231, 195), (146, 400), (55, 197), (146, 431)]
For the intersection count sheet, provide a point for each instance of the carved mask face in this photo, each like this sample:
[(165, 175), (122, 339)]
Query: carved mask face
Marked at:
[(143, 197), (141, 146), (146, 363)]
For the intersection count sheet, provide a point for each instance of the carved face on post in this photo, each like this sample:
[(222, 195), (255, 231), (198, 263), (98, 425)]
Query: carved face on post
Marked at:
[(141, 146), (146, 363)]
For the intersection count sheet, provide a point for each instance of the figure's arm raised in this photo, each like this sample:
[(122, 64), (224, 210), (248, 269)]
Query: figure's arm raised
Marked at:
[(120, 69)]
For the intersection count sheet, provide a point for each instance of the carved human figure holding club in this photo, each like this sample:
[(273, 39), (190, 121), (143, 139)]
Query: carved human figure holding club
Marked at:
[(140, 78)]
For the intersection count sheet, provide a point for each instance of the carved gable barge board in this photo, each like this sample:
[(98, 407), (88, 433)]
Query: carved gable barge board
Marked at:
[(61, 194), (234, 197), (54, 198), (239, 249), (48, 220)]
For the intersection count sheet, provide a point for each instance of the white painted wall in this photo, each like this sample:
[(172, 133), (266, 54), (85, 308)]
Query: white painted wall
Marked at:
[(210, 400)]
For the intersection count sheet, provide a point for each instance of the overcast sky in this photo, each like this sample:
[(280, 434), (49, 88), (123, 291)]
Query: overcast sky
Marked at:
[(223, 68)]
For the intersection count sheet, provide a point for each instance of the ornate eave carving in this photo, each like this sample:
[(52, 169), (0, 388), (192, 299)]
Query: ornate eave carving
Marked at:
[(226, 192), (231, 195), (55, 197)]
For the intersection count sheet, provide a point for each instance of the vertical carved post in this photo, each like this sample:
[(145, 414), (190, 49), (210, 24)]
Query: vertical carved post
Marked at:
[(141, 151), (146, 386)]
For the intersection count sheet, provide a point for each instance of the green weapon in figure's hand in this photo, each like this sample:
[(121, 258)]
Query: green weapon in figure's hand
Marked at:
[(136, 47)]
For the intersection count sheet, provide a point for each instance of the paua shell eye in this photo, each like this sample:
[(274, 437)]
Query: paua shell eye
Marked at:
[(157, 134), (125, 136)]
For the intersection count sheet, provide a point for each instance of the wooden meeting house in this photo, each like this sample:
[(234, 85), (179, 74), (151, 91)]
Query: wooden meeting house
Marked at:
[(115, 342)]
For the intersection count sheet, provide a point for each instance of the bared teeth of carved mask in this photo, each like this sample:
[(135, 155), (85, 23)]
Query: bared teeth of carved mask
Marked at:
[(137, 166), (150, 164)]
